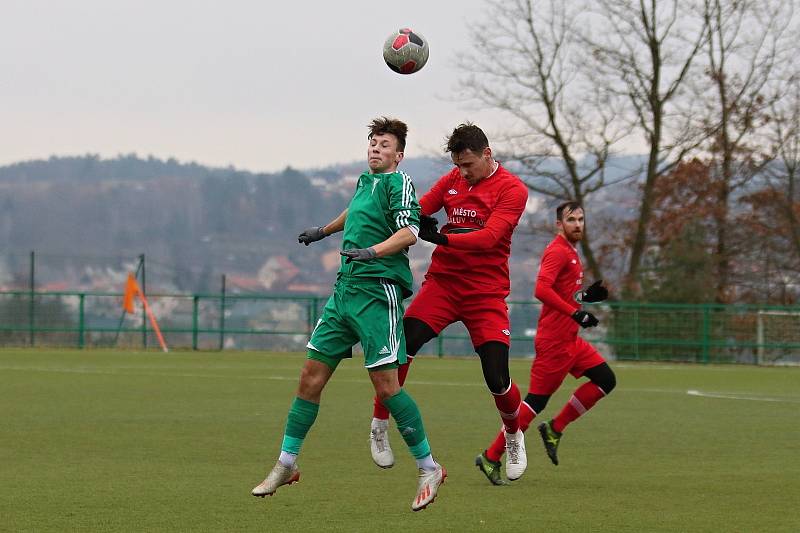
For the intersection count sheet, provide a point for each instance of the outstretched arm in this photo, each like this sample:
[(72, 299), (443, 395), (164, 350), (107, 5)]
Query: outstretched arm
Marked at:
[(317, 233), (336, 225)]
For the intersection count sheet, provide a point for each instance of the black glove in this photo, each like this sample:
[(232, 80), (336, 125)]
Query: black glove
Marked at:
[(594, 292), (359, 254), (428, 222), (585, 319), (428, 230), (310, 235)]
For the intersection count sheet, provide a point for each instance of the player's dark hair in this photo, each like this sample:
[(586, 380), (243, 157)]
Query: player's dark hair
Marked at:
[(569, 207), (467, 136), (384, 125)]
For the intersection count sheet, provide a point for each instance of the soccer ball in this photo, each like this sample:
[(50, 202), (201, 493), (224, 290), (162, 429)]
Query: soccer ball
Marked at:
[(405, 51)]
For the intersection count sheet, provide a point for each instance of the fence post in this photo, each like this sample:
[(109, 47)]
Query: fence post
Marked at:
[(195, 307), (144, 313), (31, 303), (82, 297), (706, 331), (636, 331), (440, 344), (222, 316)]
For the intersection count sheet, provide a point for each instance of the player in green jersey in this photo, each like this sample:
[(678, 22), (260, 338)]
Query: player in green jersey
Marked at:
[(366, 306)]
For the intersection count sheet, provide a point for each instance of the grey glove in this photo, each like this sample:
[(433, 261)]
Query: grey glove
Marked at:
[(311, 235), (359, 254)]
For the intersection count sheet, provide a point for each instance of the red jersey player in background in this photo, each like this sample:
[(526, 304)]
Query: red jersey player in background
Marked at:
[(468, 279), (559, 349)]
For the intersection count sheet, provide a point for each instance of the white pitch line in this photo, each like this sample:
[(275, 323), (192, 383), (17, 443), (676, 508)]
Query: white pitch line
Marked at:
[(734, 396), (294, 378)]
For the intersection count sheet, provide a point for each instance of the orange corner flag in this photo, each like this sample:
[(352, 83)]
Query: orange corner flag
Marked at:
[(131, 291)]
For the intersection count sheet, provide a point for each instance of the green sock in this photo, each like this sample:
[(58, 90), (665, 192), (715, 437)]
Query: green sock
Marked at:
[(409, 423), (302, 414)]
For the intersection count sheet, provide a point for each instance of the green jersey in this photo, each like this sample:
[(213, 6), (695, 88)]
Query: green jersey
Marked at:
[(381, 205)]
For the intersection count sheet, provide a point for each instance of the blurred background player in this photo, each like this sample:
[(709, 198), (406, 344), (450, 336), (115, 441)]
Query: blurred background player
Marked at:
[(379, 225), (559, 349), (468, 279)]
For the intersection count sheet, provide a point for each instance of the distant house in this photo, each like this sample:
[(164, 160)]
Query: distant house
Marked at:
[(277, 272), (244, 282)]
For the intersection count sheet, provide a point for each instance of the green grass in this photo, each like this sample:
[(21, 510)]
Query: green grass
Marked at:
[(125, 441)]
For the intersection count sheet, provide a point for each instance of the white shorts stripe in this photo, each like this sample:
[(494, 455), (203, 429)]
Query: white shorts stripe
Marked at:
[(391, 295), (385, 361)]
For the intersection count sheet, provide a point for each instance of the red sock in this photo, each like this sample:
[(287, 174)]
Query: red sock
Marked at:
[(379, 411), (581, 401), (508, 405), (498, 447)]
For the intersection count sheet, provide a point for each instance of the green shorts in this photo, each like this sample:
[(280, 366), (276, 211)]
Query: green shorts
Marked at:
[(369, 310)]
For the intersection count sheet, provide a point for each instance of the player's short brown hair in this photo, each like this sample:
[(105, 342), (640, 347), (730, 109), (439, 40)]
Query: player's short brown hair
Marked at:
[(384, 125), (467, 136), (569, 207)]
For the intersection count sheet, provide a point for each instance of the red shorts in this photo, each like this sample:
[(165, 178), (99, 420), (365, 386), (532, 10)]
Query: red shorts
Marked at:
[(555, 358), (439, 304)]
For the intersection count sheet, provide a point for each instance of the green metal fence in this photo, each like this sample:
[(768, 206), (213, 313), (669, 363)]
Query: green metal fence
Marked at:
[(628, 330)]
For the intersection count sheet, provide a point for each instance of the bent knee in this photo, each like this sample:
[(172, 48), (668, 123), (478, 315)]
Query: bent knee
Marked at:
[(311, 384), (607, 381), (537, 402), (384, 394), (497, 384), (385, 385)]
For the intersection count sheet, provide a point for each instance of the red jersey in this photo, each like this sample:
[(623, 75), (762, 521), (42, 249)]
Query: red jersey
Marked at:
[(480, 220), (560, 277)]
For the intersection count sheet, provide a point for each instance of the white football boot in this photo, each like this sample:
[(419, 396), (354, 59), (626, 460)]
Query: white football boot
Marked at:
[(429, 483), (379, 443), (280, 475), (516, 458)]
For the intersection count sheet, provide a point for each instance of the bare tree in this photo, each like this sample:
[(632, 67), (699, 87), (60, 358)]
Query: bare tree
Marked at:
[(564, 128), (746, 46), (643, 50), (784, 177)]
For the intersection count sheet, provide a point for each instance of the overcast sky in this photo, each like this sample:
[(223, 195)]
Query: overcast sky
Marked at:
[(254, 84)]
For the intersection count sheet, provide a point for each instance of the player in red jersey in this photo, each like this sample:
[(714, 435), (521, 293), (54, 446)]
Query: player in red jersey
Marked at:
[(559, 349), (468, 279)]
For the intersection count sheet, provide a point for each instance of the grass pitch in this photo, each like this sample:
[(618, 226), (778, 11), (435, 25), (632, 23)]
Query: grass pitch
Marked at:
[(125, 441)]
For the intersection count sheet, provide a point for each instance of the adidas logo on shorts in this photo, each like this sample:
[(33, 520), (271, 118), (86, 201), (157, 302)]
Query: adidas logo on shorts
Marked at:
[(384, 351)]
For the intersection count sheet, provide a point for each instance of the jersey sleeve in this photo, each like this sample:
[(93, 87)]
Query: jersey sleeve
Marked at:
[(403, 205), (433, 200), (501, 222), (552, 263)]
